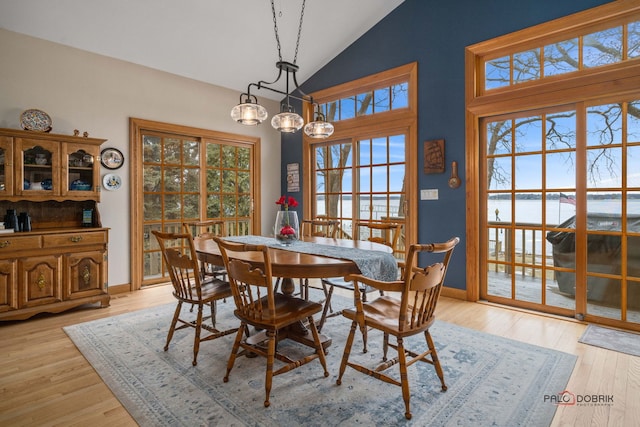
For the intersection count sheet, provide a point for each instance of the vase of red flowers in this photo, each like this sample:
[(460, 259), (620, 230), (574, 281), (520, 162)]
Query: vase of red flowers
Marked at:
[(286, 229)]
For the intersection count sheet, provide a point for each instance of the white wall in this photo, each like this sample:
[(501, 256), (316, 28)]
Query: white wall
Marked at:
[(97, 94)]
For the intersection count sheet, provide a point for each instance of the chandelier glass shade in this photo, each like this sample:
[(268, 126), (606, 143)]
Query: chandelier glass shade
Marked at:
[(249, 112), (320, 128)]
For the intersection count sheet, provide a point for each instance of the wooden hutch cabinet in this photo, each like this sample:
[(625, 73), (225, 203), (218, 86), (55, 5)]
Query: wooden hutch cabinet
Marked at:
[(62, 261)]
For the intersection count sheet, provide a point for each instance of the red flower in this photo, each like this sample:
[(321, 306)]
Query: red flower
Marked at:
[(287, 202), (287, 230)]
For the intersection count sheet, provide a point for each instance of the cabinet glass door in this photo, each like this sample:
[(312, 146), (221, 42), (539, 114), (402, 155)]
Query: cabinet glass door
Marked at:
[(37, 169), (6, 166), (81, 171)]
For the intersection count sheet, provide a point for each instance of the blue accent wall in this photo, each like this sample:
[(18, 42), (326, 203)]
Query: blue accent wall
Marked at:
[(433, 33)]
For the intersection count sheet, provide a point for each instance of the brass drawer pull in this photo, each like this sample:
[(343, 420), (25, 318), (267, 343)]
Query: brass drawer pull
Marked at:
[(5, 244), (76, 239), (41, 282)]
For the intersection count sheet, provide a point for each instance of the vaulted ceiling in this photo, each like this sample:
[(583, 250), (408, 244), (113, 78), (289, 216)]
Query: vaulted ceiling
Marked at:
[(229, 43)]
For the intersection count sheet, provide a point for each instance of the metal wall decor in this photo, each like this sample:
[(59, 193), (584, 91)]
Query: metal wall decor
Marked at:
[(434, 156)]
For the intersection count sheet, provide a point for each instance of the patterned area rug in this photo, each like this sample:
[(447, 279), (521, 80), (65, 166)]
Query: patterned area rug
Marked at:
[(612, 339), (491, 380)]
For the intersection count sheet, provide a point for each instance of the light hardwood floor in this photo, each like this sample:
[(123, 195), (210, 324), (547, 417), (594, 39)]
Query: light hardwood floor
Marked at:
[(45, 381)]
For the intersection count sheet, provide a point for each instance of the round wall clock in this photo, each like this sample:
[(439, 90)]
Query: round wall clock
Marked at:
[(111, 158)]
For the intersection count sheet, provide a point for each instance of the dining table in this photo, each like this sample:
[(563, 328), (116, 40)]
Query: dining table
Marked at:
[(312, 257)]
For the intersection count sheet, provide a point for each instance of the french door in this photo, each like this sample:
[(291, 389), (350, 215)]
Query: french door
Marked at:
[(561, 210), (361, 179), (185, 175)]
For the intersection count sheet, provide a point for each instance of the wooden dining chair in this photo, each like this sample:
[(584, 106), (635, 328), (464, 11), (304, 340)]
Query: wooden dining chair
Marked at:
[(259, 305), (320, 227), (411, 313), (386, 233), (316, 228), (207, 230), (189, 287)]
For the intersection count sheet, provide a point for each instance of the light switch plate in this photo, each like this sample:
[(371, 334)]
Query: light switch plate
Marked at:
[(429, 194)]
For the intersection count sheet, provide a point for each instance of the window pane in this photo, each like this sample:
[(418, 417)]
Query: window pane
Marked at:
[(400, 96), (633, 122), (152, 207), (151, 149), (229, 205), (244, 157), (499, 138), (396, 178), (499, 173), (229, 181), (365, 180), (561, 170), (381, 99), (347, 108), (192, 180), (172, 150), (528, 210), (152, 178), (497, 73), (633, 173), (365, 152), (379, 175), (561, 57), (604, 166), (561, 130), (172, 206), (229, 156), (526, 66), (191, 203), (244, 182), (364, 105), (379, 151), (528, 172), (528, 134), (396, 149), (213, 155), (213, 206), (633, 40), (191, 153), (244, 206), (347, 181), (604, 124), (172, 179), (213, 180), (603, 47)]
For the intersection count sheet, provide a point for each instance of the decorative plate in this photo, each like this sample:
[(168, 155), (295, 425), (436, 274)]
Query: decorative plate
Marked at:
[(111, 181), (34, 119), (111, 158)]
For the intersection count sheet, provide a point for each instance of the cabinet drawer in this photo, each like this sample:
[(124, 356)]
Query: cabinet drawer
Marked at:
[(73, 239), (15, 243)]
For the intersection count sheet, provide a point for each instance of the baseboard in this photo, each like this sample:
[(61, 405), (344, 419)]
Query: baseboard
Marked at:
[(119, 289), (454, 293)]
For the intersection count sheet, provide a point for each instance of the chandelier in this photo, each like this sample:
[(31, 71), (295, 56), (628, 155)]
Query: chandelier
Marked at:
[(249, 112)]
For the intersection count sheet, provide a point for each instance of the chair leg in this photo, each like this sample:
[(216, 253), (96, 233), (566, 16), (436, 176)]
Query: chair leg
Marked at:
[(271, 351), (196, 340), (327, 306), (172, 328), (404, 380), (243, 329), (318, 345), (214, 312), (347, 351), (434, 358), (385, 346)]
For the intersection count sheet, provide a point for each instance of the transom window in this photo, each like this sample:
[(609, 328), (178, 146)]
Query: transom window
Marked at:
[(375, 101), (593, 49)]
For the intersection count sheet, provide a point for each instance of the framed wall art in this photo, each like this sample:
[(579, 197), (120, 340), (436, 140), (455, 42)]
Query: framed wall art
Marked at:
[(434, 156)]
